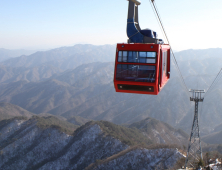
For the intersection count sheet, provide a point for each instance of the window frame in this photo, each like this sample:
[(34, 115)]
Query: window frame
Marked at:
[(137, 57)]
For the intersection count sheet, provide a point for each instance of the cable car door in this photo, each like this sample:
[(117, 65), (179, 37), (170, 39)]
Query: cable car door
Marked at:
[(163, 67)]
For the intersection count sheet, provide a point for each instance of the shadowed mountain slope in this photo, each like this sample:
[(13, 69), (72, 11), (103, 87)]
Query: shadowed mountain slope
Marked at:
[(213, 138), (77, 120), (13, 74), (38, 97), (8, 110), (161, 132), (218, 128)]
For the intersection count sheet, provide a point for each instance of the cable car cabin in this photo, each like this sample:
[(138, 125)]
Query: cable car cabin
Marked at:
[(141, 68)]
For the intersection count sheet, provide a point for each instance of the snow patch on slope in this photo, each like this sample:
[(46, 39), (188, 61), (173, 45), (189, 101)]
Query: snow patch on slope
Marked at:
[(144, 159)]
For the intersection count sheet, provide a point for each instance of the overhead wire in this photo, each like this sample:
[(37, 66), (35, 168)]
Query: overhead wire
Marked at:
[(164, 37), (159, 19), (164, 32), (214, 82)]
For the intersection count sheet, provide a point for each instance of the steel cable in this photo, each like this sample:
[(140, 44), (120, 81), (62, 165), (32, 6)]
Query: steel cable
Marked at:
[(175, 61), (214, 81), (158, 22)]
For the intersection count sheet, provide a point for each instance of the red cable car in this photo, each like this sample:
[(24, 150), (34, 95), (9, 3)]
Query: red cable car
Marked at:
[(143, 64), (141, 68)]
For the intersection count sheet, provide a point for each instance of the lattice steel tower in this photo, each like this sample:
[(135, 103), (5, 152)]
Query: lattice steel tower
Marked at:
[(194, 151)]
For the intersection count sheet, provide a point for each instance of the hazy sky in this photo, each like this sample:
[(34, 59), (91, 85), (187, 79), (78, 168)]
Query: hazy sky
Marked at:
[(41, 24)]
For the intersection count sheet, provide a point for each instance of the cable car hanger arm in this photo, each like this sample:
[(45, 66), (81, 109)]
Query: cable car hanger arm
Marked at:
[(134, 32)]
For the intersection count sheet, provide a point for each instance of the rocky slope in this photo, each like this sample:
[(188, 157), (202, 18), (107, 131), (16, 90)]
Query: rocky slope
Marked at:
[(40, 143)]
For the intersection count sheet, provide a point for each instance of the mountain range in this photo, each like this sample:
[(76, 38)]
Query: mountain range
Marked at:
[(7, 54), (77, 81)]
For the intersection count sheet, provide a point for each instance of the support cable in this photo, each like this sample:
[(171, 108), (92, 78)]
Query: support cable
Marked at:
[(214, 82), (175, 61), (163, 31), (164, 37)]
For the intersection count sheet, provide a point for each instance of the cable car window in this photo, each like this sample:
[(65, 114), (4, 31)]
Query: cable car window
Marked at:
[(142, 57), (151, 54), (120, 56), (142, 54), (125, 53), (139, 73), (124, 56), (132, 57), (148, 60)]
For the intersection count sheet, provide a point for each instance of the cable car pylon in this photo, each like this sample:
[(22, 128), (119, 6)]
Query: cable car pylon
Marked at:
[(194, 151)]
